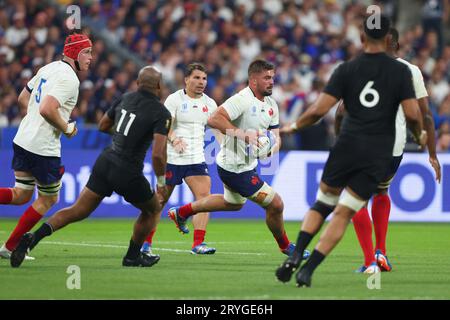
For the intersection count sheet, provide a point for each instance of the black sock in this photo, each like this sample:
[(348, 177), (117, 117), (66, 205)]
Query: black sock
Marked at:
[(304, 238), (44, 230), (133, 250), (313, 261)]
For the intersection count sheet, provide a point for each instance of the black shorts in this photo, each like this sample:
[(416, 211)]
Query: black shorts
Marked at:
[(392, 170), (107, 177), (355, 166)]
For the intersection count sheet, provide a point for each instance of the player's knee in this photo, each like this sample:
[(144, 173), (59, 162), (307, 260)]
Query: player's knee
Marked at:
[(323, 209), (21, 196), (325, 203), (277, 205), (44, 203)]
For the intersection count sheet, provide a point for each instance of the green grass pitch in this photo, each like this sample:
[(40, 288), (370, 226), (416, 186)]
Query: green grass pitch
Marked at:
[(243, 267)]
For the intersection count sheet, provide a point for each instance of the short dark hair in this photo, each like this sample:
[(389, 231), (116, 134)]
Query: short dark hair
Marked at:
[(258, 66), (395, 36), (194, 66), (377, 33)]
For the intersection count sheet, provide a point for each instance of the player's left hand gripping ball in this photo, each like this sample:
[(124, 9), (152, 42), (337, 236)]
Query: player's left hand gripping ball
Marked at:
[(71, 130)]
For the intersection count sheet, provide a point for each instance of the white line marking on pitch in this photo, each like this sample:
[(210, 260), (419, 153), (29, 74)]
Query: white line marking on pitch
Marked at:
[(125, 247)]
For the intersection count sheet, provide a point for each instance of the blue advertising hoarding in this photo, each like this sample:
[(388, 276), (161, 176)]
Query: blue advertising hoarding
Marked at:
[(295, 176)]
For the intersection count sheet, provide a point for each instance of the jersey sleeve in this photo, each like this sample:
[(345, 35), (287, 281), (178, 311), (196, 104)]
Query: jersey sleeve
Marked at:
[(212, 105), (31, 84), (335, 85), (171, 105), (112, 110), (163, 123), (234, 106), (406, 88), (419, 84), (64, 90)]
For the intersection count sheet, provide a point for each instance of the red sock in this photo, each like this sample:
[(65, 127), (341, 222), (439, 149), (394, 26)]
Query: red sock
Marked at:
[(363, 228), (381, 208), (6, 195), (185, 211), (199, 236), (283, 241), (26, 222), (149, 239)]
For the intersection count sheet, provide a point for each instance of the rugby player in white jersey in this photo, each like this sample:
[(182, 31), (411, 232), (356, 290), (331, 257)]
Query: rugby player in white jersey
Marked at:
[(49, 97), (190, 109), (377, 260), (241, 118)]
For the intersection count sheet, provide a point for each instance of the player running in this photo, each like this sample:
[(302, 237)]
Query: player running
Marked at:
[(135, 120), (372, 87), (241, 118), (49, 97), (190, 109), (377, 260)]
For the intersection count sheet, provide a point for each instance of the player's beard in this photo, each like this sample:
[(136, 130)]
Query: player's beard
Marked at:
[(267, 92)]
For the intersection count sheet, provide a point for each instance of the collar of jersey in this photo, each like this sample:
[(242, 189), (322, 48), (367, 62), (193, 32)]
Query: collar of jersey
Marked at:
[(148, 93)]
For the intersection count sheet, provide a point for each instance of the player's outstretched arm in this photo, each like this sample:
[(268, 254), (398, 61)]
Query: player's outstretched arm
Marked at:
[(49, 111), (414, 118), (428, 124), (313, 114)]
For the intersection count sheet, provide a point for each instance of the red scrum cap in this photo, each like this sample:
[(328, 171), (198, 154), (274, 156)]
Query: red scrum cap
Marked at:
[(74, 44)]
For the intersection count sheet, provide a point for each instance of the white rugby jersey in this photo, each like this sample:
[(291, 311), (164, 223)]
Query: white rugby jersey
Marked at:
[(190, 118), (35, 134), (246, 112), (400, 121)]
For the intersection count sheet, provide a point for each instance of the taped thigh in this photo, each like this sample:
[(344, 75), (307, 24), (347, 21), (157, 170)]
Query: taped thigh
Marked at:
[(26, 183), (264, 195), (233, 197), (350, 201), (49, 189)]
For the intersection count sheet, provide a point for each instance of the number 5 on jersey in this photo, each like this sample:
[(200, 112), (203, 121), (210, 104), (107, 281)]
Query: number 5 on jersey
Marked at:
[(39, 90), (128, 124), (369, 91)]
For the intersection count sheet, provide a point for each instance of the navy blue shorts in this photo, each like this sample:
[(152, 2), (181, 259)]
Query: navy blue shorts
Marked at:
[(46, 170), (176, 173), (245, 183)]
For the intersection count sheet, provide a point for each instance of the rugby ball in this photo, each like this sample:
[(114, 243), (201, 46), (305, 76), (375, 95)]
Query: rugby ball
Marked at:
[(266, 143)]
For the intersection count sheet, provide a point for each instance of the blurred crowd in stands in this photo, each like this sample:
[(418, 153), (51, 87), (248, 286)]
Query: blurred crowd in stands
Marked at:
[(305, 39)]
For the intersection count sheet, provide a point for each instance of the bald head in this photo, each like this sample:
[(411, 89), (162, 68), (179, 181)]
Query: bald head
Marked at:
[(149, 79)]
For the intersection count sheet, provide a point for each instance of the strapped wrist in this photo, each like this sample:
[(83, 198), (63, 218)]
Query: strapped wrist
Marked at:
[(160, 181), (294, 126)]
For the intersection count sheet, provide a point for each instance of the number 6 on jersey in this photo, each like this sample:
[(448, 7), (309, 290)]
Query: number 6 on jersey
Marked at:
[(368, 90)]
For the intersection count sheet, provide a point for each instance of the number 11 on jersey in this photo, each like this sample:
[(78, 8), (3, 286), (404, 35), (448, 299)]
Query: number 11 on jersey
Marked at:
[(128, 123)]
